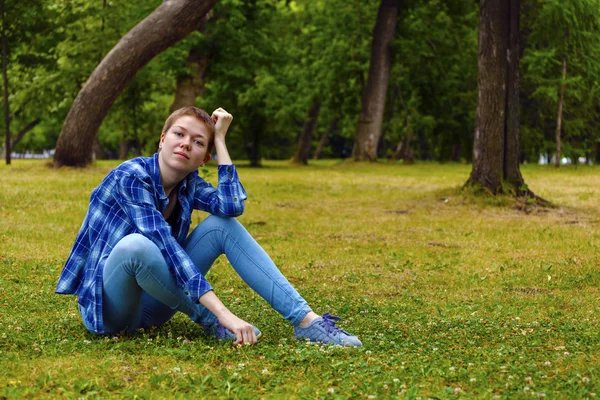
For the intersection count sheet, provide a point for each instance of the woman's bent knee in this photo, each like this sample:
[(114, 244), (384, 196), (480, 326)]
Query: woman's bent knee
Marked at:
[(136, 246), (215, 221)]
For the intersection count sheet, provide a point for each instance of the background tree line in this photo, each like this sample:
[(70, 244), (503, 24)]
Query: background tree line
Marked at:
[(295, 75)]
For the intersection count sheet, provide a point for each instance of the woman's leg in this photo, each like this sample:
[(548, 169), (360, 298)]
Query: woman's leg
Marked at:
[(138, 288), (215, 236)]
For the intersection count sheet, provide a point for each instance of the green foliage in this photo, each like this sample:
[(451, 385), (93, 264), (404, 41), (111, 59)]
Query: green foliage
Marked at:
[(558, 31), (269, 59), (451, 298), (435, 78)]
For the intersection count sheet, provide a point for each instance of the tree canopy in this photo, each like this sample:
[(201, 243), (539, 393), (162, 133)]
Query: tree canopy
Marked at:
[(269, 61)]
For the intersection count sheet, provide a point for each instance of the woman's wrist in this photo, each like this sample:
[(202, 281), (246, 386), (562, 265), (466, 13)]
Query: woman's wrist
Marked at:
[(214, 305)]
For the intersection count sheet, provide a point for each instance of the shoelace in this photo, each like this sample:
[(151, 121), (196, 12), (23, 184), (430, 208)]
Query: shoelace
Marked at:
[(219, 329), (329, 323)]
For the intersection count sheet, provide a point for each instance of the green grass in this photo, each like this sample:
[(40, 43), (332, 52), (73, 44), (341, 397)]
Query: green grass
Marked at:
[(452, 296)]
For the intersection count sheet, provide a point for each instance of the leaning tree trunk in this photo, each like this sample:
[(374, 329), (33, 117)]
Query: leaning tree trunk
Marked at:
[(7, 147), (14, 141), (324, 136), (560, 111), (170, 22), (404, 150), (305, 139), (191, 84), (373, 100), (496, 144)]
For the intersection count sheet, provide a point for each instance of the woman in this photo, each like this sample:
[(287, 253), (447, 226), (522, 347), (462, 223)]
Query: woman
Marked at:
[(134, 266)]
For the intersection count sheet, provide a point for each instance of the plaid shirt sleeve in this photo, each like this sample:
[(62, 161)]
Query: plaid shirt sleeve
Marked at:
[(137, 199), (227, 200)]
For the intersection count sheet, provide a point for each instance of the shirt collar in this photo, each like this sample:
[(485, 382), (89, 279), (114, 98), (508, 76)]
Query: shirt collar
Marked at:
[(155, 174)]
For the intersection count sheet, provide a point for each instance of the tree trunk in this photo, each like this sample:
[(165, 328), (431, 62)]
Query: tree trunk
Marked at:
[(191, 85), (7, 146), (404, 151), (374, 95), (496, 144), (99, 153), (324, 137), (305, 139), (252, 143), (170, 22), (560, 112), (20, 135)]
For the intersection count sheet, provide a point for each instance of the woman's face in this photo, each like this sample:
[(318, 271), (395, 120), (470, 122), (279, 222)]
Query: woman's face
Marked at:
[(184, 147)]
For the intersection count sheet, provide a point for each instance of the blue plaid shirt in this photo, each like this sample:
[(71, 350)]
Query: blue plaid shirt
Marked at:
[(129, 200)]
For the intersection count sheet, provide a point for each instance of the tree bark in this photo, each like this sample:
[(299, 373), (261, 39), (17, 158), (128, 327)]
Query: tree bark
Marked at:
[(324, 136), (404, 151), (305, 139), (560, 112), (20, 135), (168, 24), (496, 143), (99, 153), (374, 95), (7, 146), (191, 85), (512, 121)]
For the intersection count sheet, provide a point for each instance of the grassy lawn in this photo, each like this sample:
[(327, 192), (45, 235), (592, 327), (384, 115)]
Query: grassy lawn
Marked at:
[(452, 296)]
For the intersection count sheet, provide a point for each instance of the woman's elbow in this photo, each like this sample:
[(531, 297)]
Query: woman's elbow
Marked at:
[(233, 210)]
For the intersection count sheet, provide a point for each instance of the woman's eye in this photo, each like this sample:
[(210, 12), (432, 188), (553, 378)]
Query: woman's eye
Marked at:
[(178, 133), (198, 143)]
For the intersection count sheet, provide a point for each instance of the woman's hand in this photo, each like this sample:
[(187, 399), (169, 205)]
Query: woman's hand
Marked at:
[(222, 120), (243, 331)]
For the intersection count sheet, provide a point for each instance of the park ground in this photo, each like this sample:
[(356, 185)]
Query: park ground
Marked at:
[(452, 295)]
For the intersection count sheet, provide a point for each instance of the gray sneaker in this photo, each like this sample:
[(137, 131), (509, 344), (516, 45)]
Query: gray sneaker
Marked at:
[(221, 333), (323, 329)]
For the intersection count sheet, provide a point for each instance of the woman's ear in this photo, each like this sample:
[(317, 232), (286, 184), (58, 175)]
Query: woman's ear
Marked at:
[(162, 139), (206, 159)]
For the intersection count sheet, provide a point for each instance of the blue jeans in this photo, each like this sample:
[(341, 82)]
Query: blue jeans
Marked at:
[(140, 292)]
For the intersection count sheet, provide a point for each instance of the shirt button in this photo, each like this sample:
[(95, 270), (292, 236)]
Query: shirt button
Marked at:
[(235, 199)]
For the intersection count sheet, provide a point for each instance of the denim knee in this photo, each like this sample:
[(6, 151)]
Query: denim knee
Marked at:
[(214, 221), (136, 246)]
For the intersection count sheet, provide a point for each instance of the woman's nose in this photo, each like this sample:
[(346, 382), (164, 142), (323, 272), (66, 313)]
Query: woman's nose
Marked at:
[(186, 142)]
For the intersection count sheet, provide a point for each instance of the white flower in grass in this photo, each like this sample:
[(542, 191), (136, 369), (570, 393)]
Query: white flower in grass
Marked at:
[(241, 366), (473, 380), (585, 379), (452, 368), (372, 396), (526, 389), (457, 390), (547, 364), (331, 390), (540, 394), (396, 380), (87, 341), (265, 371)]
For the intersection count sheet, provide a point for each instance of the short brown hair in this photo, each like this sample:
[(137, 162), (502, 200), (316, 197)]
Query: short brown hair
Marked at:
[(197, 113)]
